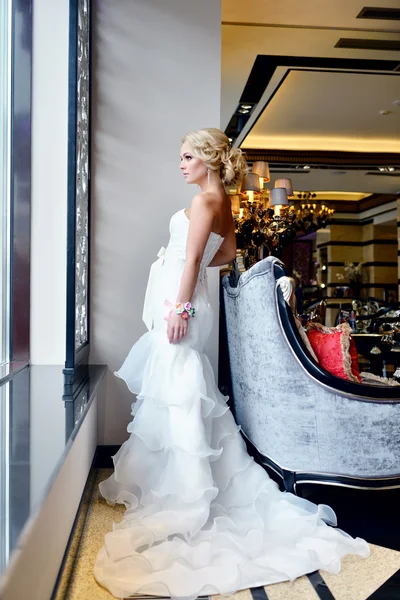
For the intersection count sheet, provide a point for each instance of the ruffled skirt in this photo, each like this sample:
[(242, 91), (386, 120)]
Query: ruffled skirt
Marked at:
[(202, 517)]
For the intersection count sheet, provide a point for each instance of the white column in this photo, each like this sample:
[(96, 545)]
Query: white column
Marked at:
[(49, 181), (157, 75)]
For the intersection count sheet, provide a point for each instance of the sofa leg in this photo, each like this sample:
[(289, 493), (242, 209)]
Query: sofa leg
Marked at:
[(289, 479)]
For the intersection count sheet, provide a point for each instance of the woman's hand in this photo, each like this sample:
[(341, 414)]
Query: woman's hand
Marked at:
[(177, 328)]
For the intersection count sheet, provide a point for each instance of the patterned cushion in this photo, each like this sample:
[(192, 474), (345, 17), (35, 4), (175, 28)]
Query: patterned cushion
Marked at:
[(335, 349)]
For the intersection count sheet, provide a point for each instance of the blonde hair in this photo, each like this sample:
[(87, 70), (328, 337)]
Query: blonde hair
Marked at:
[(212, 146)]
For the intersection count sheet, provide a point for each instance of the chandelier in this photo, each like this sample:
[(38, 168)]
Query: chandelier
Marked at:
[(265, 222), (312, 214)]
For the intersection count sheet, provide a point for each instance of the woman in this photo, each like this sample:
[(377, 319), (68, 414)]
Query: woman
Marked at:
[(202, 517)]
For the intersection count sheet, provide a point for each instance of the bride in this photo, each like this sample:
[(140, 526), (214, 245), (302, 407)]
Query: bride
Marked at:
[(201, 516)]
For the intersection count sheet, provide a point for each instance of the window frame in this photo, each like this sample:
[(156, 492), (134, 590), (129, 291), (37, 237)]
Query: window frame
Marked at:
[(20, 188), (77, 356), (5, 103)]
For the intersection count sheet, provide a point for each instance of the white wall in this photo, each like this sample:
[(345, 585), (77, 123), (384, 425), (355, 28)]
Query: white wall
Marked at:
[(47, 429), (157, 75), (49, 181)]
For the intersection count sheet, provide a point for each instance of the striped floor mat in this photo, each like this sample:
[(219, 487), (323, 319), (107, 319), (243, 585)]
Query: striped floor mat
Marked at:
[(377, 578)]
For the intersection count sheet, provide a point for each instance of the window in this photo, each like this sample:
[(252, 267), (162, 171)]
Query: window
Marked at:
[(4, 475), (15, 183), (5, 139)]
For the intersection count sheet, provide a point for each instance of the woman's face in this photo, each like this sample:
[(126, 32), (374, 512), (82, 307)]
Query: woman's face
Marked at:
[(193, 169)]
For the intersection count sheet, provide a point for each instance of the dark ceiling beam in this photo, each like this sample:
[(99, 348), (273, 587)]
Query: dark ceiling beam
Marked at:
[(375, 200), (353, 206), (324, 157), (265, 66)]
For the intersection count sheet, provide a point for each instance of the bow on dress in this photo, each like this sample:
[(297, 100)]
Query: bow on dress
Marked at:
[(151, 290)]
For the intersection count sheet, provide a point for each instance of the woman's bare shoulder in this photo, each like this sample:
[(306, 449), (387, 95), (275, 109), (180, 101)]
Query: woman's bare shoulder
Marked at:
[(208, 198), (205, 202)]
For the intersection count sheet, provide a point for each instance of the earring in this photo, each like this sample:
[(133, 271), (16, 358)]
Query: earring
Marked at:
[(208, 176)]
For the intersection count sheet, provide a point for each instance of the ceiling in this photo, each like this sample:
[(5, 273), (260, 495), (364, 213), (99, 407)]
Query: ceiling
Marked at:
[(315, 13), (281, 59), (344, 113)]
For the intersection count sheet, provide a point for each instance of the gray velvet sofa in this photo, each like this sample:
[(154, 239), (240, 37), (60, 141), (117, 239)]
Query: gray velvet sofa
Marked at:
[(297, 419)]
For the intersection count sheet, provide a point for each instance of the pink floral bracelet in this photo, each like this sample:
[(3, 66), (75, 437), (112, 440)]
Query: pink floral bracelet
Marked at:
[(185, 310)]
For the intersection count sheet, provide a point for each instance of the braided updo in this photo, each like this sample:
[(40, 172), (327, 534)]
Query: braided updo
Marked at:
[(212, 146)]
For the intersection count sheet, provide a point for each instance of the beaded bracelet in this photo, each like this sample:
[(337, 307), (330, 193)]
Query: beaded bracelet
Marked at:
[(185, 310)]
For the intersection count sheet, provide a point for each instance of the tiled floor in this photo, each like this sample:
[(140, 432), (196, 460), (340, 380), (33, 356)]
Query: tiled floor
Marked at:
[(377, 578)]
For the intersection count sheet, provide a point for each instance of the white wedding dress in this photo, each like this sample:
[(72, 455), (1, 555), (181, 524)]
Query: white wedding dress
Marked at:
[(202, 517)]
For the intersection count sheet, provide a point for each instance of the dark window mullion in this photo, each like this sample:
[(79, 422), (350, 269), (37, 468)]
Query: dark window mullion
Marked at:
[(20, 180)]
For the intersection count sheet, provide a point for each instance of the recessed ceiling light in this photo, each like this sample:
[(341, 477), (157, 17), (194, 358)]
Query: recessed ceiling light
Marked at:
[(391, 169), (230, 139), (243, 111), (246, 105), (384, 113), (306, 167), (382, 169)]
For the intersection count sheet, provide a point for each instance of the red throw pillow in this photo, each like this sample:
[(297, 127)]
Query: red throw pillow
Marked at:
[(335, 349)]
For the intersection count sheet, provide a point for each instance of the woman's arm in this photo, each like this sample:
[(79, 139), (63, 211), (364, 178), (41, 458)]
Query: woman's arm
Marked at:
[(200, 226), (221, 258)]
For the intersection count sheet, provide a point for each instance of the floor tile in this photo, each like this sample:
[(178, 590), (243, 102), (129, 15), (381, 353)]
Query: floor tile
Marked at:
[(301, 589), (390, 590), (242, 595), (259, 593), (359, 578), (320, 586)]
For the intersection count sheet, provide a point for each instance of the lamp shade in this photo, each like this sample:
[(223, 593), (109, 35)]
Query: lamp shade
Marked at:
[(235, 204), (251, 183), (278, 196), (261, 168), (284, 183)]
